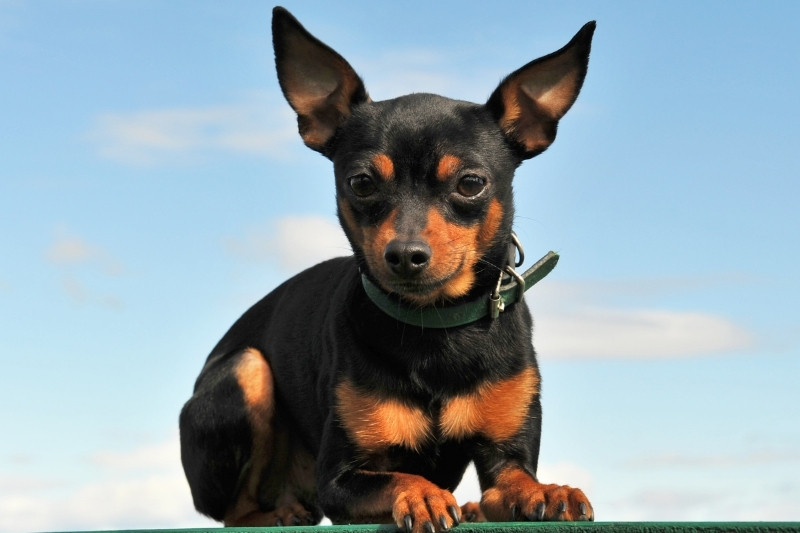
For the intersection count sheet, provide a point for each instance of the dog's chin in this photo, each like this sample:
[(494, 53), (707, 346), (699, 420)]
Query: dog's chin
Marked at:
[(418, 293), (426, 292)]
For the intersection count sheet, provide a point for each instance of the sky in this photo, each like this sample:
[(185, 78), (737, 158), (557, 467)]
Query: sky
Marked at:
[(153, 186)]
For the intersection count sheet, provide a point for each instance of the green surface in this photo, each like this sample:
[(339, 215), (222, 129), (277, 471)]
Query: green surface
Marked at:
[(526, 527)]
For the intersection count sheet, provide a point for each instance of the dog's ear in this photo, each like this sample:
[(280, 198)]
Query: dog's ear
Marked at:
[(318, 83), (529, 103)]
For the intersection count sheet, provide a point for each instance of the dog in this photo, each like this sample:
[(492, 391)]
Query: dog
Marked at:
[(363, 387)]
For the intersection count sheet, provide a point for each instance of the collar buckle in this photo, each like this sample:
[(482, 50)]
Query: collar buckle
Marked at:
[(496, 302)]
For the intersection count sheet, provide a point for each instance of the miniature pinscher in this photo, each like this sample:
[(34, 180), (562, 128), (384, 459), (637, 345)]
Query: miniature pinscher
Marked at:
[(362, 388)]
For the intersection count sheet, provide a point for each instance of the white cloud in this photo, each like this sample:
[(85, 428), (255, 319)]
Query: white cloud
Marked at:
[(161, 456), (293, 242), (750, 502), (143, 488), (73, 257), (69, 250), (757, 457), (255, 126), (570, 323), (636, 333)]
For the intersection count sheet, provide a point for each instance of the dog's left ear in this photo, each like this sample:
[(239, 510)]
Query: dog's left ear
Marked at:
[(318, 83), (529, 103)]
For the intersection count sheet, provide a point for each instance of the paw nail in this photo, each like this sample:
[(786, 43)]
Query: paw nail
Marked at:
[(443, 523), (279, 522), (428, 527), (562, 506), (513, 513), (584, 509), (408, 523), (540, 512), (454, 514)]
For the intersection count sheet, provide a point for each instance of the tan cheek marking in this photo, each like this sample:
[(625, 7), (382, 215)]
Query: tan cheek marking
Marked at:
[(460, 285), (372, 240), (255, 379), (375, 239), (384, 165), (468, 253), (490, 225), (497, 410), (464, 246), (445, 241), (375, 423), (447, 167)]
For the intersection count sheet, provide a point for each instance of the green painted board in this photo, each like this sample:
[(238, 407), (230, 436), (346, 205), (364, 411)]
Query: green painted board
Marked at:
[(522, 527)]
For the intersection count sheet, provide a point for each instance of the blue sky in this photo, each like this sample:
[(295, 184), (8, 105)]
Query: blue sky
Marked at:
[(152, 186)]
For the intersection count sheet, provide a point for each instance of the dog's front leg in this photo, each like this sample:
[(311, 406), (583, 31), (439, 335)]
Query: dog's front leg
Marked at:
[(355, 488), (413, 503), (511, 490)]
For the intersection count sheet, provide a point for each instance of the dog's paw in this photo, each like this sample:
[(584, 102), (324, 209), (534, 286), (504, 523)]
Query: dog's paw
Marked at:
[(517, 497), (292, 514), (422, 507), (289, 515), (471, 512)]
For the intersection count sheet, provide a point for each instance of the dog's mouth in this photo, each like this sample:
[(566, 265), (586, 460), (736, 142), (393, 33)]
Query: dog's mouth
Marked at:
[(416, 287), (417, 292), (426, 289)]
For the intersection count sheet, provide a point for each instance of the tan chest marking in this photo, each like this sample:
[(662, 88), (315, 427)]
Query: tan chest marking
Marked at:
[(375, 423), (496, 410)]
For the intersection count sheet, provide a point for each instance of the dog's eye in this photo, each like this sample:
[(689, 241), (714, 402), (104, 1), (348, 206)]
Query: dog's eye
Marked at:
[(471, 185), (362, 185)]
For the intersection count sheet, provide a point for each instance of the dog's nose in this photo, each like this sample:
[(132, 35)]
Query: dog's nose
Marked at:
[(407, 258)]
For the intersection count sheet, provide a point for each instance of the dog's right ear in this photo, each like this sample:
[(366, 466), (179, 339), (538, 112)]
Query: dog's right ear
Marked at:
[(318, 83)]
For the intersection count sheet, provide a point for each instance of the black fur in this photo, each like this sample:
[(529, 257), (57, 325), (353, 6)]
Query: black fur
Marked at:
[(319, 330)]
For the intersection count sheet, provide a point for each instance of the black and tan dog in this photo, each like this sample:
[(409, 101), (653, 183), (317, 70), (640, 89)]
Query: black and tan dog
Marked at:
[(362, 388)]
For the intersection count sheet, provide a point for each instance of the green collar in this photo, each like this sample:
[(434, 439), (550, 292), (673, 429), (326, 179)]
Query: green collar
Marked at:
[(493, 304)]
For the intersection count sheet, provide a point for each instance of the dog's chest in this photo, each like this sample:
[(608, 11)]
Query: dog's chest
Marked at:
[(496, 411)]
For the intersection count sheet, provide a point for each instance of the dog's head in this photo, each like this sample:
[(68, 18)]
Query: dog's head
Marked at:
[(423, 182)]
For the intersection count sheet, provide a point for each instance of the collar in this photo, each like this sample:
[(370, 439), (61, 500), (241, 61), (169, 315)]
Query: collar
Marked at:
[(511, 287)]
